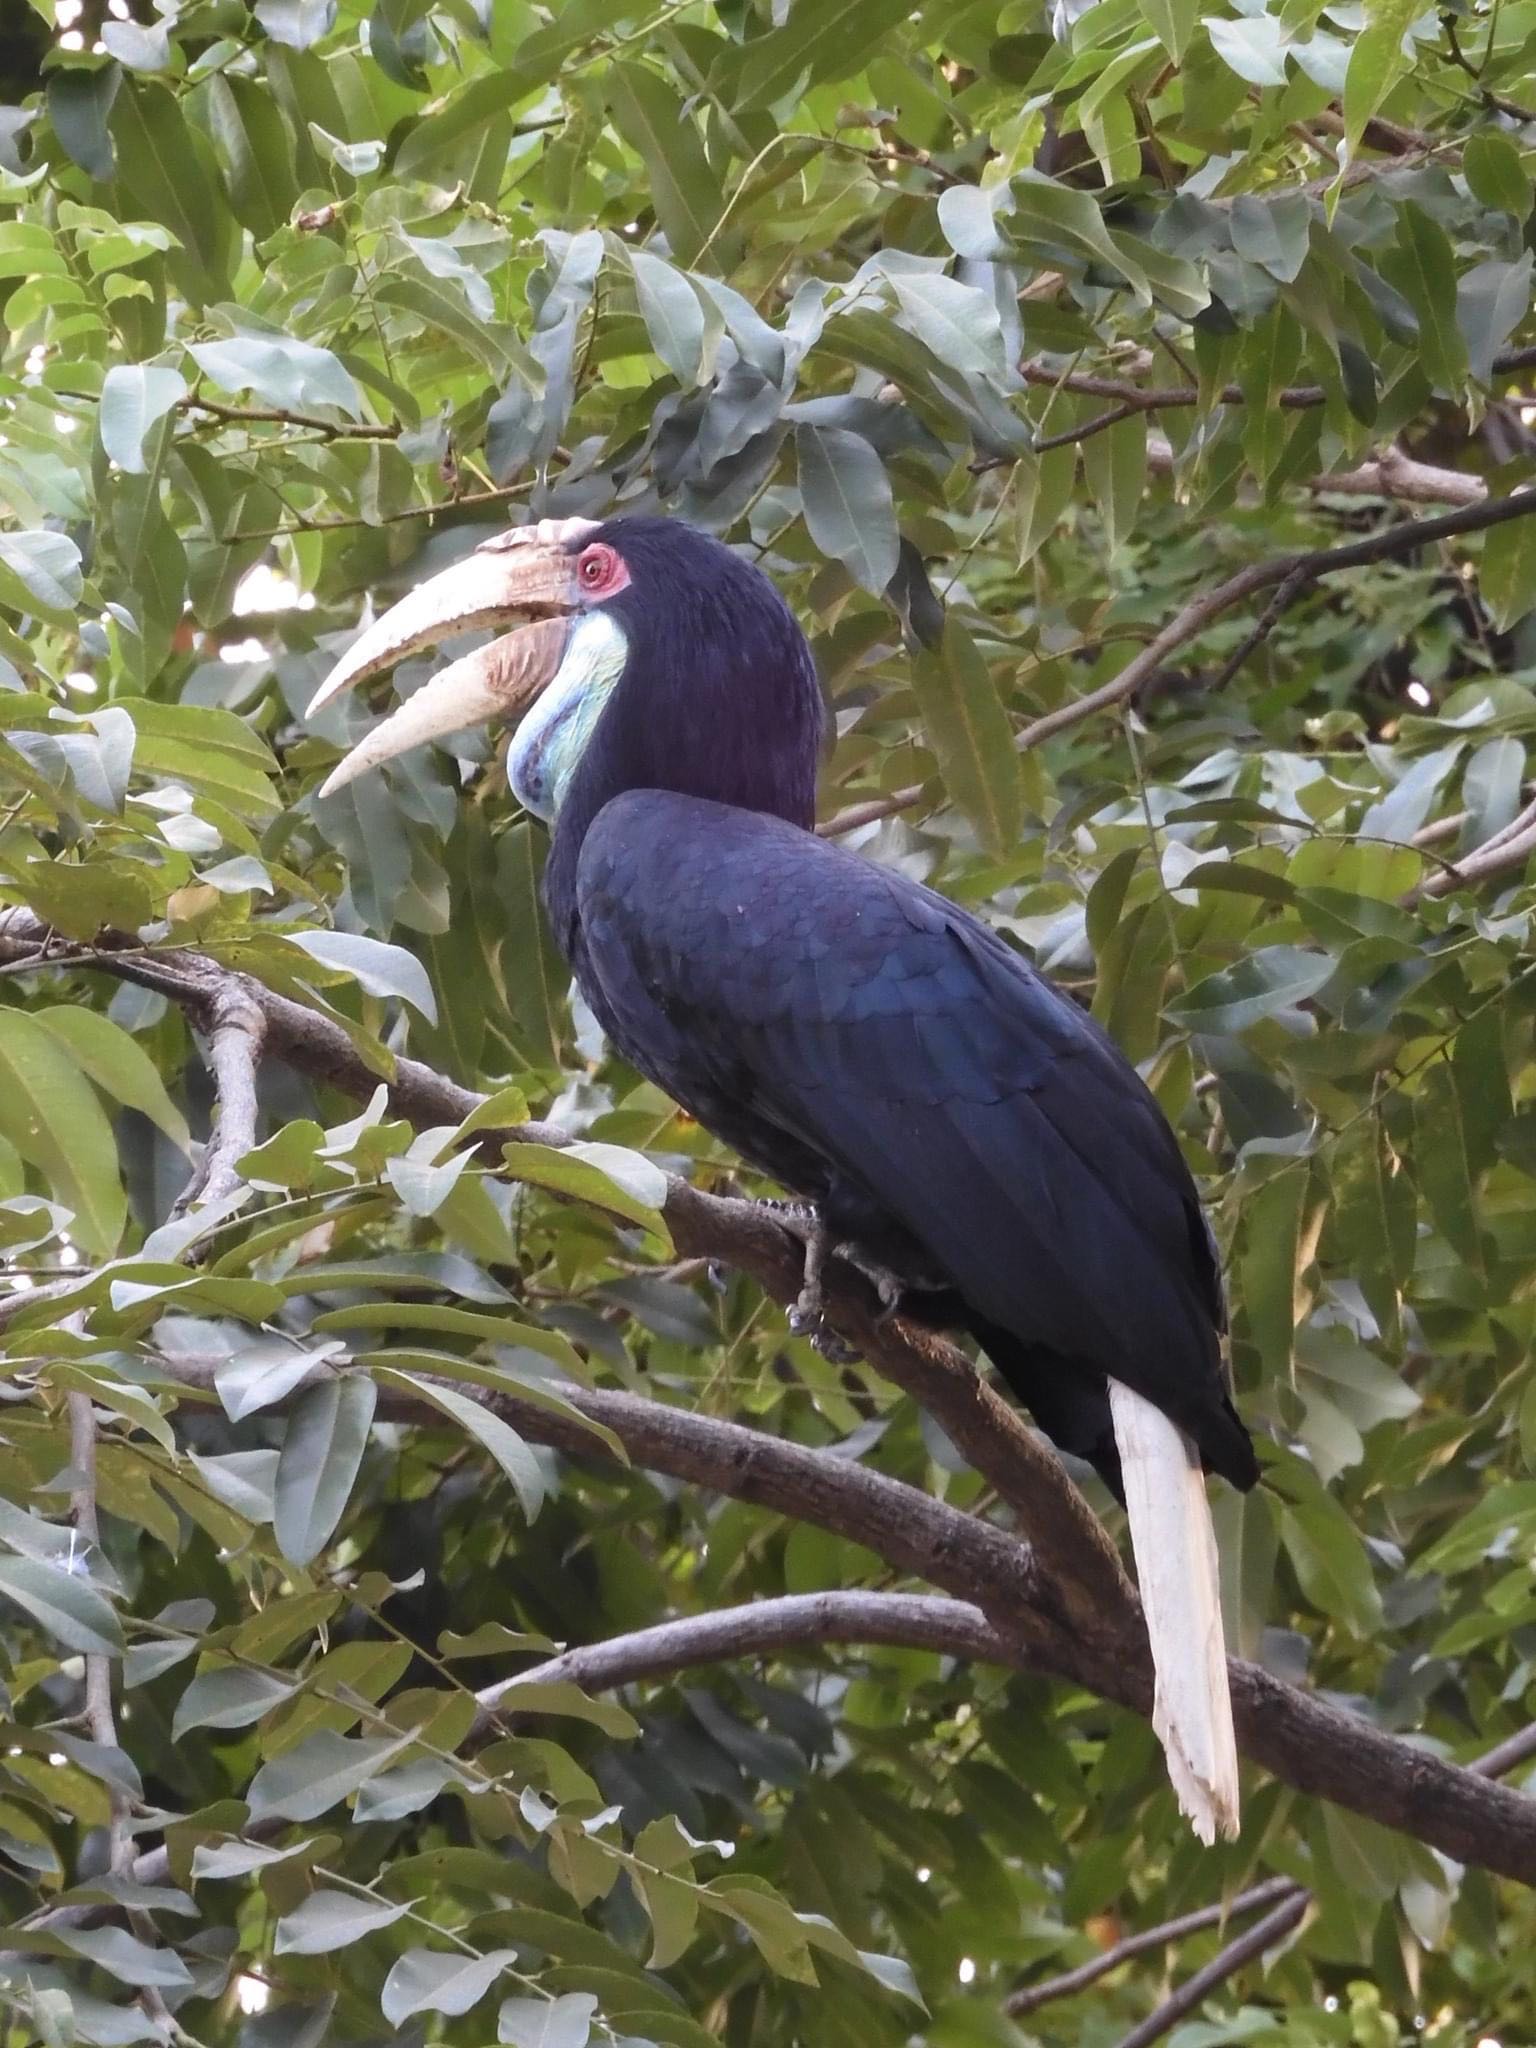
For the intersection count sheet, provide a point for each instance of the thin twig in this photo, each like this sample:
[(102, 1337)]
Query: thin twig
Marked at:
[(280, 415), (1275, 1926), (468, 502), (1188, 623), (1032, 1996), (1268, 619), (99, 1717), (1292, 1902), (1165, 398)]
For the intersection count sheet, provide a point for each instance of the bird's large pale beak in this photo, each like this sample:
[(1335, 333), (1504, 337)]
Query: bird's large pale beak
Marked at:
[(528, 576)]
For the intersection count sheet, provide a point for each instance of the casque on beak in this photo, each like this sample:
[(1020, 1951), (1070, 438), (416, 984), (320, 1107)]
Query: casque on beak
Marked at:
[(527, 575)]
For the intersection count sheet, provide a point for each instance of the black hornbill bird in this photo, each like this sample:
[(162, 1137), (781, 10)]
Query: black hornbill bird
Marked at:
[(972, 1138)]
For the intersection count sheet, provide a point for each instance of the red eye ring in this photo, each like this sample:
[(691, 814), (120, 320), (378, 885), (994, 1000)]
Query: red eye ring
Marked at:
[(597, 566)]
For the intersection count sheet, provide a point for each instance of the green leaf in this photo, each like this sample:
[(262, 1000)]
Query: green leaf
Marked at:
[(1172, 22), (1376, 63), (319, 1773), (1115, 465), (381, 969), (127, 1959), (1493, 168), (1423, 267), (440, 1980), (969, 732), (849, 509), (281, 370), (329, 1920), (563, 2022), (229, 1696), (257, 147), (682, 188), (682, 324), (134, 397), (1507, 572), (166, 175), (821, 40), (79, 103), (1261, 984), (50, 1113), (591, 1173), (118, 1064), (68, 1607), (322, 1452), (263, 1373), (40, 572), (1331, 1562), (489, 1431), (1275, 1252), (959, 323)]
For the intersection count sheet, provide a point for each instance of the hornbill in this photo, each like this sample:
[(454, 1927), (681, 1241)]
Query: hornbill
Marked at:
[(963, 1130)]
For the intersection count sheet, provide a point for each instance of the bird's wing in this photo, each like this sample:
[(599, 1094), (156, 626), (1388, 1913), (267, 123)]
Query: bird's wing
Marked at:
[(811, 1006), (800, 999)]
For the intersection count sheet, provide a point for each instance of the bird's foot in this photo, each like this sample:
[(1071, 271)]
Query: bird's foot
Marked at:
[(808, 1317)]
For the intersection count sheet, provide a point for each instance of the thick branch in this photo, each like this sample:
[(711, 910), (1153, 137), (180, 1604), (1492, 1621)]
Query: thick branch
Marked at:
[(1500, 854), (1303, 1740), (1300, 1738), (796, 1621)]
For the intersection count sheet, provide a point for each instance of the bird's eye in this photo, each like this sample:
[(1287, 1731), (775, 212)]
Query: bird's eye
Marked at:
[(596, 566)]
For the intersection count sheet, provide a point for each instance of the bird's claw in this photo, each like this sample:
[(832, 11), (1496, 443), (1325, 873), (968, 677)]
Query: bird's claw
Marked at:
[(808, 1319)]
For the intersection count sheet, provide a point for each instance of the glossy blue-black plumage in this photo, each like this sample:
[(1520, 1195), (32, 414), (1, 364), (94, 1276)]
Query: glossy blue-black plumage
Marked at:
[(860, 1038)]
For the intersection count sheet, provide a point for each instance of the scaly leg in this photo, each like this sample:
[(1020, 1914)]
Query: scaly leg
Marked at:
[(808, 1317)]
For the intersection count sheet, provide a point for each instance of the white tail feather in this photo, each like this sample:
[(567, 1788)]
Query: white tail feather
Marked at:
[(1177, 1570)]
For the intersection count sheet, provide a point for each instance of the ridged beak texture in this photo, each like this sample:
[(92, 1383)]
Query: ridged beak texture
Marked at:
[(528, 575)]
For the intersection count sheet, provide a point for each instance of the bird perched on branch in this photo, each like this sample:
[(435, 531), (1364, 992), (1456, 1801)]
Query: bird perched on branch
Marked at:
[(942, 1115)]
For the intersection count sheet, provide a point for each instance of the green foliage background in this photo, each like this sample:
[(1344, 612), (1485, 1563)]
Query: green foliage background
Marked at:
[(340, 292)]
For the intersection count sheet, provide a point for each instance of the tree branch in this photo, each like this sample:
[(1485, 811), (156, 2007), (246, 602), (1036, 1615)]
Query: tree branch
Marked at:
[(278, 415), (1030, 1997), (1274, 1927), (1168, 398), (1300, 1738), (1079, 1627), (1509, 848), (1494, 1763), (1296, 570), (99, 1716), (793, 1621), (237, 1028)]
